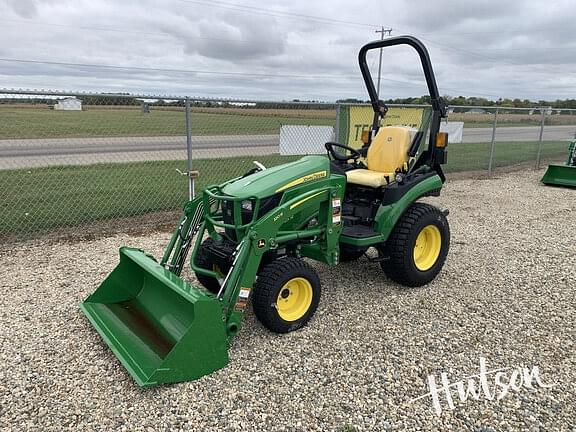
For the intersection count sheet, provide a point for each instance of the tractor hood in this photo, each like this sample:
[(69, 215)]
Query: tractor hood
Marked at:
[(280, 178)]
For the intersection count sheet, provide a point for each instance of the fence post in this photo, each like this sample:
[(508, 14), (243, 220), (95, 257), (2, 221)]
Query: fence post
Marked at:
[(494, 123), (337, 131), (538, 155), (191, 191)]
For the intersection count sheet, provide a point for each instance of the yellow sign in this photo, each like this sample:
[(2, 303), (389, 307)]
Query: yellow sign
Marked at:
[(360, 119)]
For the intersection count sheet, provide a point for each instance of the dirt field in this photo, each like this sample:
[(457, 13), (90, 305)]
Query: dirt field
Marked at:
[(506, 294)]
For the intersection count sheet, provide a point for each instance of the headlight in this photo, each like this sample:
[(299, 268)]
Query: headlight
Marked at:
[(247, 205)]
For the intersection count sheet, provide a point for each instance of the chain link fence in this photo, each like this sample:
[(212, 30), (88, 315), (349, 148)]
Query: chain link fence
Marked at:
[(76, 163), (498, 137)]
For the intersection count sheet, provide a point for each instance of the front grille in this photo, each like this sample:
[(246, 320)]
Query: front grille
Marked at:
[(266, 204)]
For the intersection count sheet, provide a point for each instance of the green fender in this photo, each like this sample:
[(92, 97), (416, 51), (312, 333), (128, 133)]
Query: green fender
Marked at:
[(388, 215)]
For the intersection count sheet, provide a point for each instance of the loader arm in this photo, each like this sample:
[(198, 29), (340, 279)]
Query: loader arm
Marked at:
[(179, 245), (265, 235)]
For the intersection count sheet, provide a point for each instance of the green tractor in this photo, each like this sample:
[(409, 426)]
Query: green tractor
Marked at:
[(563, 175), (248, 238)]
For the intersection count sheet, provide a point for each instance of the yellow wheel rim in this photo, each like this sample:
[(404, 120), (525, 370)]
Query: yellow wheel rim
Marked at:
[(427, 247), (294, 299)]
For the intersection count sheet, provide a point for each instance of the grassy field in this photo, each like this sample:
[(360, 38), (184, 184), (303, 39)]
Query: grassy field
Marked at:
[(43, 198), (38, 199), (17, 122), (511, 119)]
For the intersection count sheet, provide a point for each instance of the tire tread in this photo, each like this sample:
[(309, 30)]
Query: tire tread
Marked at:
[(267, 285), (398, 267)]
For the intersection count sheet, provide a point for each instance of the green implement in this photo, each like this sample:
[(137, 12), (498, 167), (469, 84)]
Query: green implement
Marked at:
[(161, 328), (563, 175), (247, 240)]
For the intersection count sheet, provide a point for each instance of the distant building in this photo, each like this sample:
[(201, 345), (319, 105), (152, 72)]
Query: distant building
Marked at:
[(243, 104), (69, 104)]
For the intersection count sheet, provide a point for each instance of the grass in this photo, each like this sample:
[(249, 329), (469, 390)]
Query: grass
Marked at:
[(43, 198), (19, 123), (475, 156), (38, 199), (476, 125)]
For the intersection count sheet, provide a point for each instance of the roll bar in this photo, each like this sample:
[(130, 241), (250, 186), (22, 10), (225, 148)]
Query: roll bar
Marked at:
[(432, 157), (379, 107)]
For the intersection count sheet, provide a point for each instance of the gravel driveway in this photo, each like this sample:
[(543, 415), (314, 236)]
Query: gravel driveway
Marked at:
[(507, 293)]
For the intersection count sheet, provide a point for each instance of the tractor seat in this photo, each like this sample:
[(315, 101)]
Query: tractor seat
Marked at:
[(387, 154)]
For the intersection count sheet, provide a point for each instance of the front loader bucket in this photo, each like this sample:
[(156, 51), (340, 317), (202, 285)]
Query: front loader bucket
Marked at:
[(560, 175), (162, 329)]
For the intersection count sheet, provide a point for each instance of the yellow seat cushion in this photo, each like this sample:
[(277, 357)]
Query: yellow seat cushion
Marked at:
[(389, 149), (387, 154), (369, 178)]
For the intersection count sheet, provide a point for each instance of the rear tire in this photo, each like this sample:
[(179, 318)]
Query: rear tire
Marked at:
[(286, 294), (203, 260), (349, 253), (418, 246)]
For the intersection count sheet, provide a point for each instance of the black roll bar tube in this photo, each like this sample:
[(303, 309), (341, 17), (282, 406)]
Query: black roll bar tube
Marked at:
[(437, 102), (380, 108)]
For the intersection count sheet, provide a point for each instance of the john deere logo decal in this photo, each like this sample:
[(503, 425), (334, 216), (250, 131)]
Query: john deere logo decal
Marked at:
[(306, 178), (314, 176)]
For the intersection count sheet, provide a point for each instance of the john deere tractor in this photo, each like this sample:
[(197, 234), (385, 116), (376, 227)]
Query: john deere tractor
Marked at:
[(250, 238), (563, 175)]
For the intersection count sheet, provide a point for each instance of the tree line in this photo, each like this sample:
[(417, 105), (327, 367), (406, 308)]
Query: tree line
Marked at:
[(478, 101), (126, 99)]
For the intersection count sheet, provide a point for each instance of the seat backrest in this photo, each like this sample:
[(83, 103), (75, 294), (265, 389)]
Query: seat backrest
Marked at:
[(389, 149)]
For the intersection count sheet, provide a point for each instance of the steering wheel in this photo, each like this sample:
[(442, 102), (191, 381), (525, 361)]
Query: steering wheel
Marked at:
[(355, 154)]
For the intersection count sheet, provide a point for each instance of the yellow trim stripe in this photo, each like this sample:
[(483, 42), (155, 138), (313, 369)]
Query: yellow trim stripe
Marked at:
[(306, 178), (296, 204)]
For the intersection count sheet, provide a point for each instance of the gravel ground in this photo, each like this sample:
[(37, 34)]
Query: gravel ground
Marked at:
[(506, 293)]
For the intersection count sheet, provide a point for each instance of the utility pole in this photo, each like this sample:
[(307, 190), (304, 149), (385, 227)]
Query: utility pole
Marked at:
[(382, 32)]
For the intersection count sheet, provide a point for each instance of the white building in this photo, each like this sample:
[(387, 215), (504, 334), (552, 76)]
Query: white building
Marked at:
[(69, 104)]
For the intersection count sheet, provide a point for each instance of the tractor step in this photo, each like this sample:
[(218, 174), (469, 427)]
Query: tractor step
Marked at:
[(359, 231)]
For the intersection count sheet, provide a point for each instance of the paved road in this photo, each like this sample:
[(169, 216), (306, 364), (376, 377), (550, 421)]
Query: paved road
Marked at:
[(519, 133), (28, 153), (72, 146), (31, 153)]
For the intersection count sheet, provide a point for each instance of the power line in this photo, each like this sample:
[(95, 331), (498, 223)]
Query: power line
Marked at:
[(149, 33), (169, 70), (500, 32), (530, 49), (206, 72), (272, 12), (143, 33), (190, 71), (465, 51)]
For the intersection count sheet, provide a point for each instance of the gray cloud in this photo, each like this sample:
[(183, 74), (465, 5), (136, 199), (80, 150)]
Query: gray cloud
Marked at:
[(22, 8), (485, 48)]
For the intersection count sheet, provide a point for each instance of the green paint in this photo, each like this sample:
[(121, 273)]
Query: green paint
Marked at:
[(563, 175), (161, 328), (266, 183)]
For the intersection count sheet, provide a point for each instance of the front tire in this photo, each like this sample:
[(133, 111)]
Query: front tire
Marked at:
[(203, 260), (418, 246), (286, 294)]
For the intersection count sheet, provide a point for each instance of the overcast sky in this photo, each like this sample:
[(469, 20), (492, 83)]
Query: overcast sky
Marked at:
[(295, 49)]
